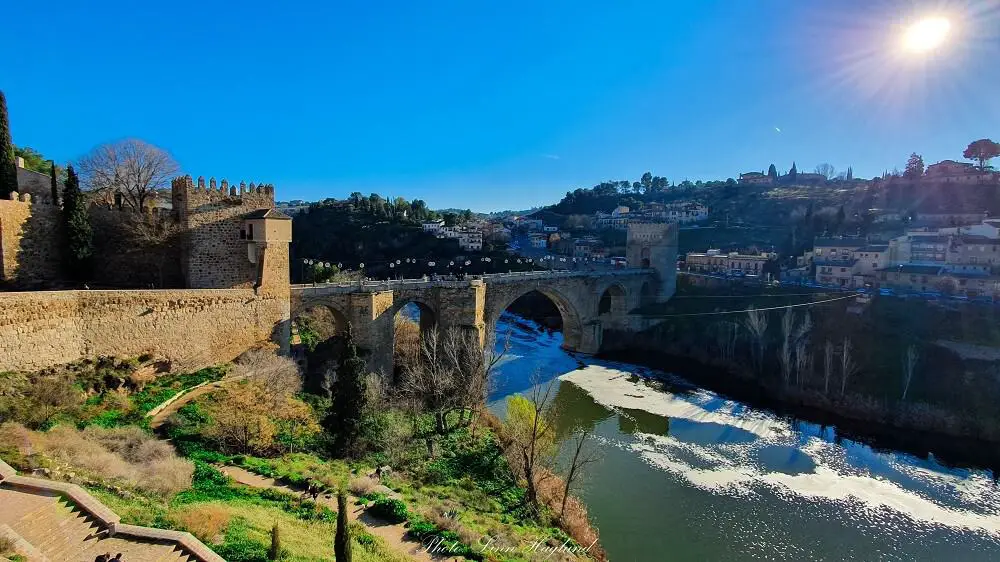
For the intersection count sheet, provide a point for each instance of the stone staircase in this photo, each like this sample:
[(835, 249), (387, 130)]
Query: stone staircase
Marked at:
[(53, 522)]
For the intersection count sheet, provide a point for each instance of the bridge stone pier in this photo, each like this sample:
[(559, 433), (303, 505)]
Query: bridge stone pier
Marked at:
[(588, 301)]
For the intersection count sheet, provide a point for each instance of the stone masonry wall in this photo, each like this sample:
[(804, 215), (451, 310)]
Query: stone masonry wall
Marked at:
[(212, 216), (29, 241), (195, 327)]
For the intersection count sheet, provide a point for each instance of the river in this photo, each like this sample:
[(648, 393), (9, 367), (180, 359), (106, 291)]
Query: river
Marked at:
[(687, 475)]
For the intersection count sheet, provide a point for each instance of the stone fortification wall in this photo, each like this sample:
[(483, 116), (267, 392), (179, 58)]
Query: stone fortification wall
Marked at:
[(29, 238), (197, 327), (212, 216)]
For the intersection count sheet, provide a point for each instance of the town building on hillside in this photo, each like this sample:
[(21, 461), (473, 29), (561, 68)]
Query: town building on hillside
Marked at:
[(617, 219), (950, 171), (433, 227), (539, 240), (869, 259), (682, 212), (836, 249), (714, 261), (755, 178), (838, 272)]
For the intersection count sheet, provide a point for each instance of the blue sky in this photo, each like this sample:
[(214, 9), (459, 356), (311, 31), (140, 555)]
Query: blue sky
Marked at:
[(495, 105)]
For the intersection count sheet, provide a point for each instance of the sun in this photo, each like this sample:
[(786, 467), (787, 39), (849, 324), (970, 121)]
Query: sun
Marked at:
[(926, 34)]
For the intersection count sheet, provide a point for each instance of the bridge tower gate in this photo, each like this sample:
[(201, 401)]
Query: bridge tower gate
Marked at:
[(654, 246)]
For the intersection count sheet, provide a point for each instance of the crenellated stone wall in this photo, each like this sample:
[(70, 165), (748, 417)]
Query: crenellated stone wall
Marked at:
[(212, 215), (196, 327)]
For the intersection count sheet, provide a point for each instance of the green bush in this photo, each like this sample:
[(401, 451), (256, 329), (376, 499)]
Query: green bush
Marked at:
[(389, 509), (239, 547)]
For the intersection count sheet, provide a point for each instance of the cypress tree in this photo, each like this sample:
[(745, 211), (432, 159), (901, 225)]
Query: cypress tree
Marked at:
[(275, 552), (76, 227), (349, 395), (55, 184), (342, 542), (8, 166)]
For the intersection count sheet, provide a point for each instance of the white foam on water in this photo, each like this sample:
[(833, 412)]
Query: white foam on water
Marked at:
[(832, 480), (612, 388)]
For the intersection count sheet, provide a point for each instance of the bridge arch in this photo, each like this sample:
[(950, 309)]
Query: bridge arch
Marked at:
[(325, 317), (572, 320), (613, 301)]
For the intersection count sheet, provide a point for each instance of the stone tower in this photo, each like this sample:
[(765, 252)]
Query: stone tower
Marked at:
[(654, 245), (234, 237)]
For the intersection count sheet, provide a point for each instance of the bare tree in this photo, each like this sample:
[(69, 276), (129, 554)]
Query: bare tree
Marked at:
[(452, 373), (793, 344), (910, 359), (131, 167), (826, 170), (727, 334), (155, 237), (756, 325), (847, 365), (827, 366), (583, 455)]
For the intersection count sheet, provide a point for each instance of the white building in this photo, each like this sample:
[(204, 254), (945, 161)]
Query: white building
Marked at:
[(433, 227)]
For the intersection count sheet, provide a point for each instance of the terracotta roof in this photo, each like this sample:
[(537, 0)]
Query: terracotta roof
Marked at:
[(267, 214)]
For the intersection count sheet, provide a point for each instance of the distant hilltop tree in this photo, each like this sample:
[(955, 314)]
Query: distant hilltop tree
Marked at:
[(793, 174), (8, 166), (982, 151), (826, 170), (914, 167), (133, 168), (772, 172)]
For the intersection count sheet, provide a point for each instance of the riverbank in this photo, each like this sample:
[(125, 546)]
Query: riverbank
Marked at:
[(879, 428)]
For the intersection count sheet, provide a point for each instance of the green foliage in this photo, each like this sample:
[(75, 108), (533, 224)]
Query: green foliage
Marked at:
[(8, 165), (33, 160), (275, 549), (239, 546), (426, 532), (210, 484), (79, 244), (389, 509), (350, 401), (342, 541)]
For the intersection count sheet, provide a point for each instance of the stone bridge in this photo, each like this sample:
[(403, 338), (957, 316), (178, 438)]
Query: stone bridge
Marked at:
[(589, 302)]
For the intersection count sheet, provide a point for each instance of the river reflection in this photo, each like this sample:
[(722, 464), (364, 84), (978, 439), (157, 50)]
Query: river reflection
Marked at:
[(687, 475)]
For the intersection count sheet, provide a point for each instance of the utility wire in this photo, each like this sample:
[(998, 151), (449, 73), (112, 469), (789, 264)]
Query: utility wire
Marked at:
[(723, 312), (818, 293)]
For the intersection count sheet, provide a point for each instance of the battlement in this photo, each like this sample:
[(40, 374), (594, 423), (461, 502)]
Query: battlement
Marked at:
[(652, 231), (188, 193), (28, 198)]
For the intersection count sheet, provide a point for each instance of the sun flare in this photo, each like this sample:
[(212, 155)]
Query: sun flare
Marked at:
[(926, 34)]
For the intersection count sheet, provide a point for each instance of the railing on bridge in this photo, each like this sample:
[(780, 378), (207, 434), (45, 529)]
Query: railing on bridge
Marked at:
[(424, 283)]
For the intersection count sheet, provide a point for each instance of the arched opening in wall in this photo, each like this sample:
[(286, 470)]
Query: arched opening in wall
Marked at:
[(410, 324), (316, 345), (533, 311), (647, 295), (613, 302), (644, 255)]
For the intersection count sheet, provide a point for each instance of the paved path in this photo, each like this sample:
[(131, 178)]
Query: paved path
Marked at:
[(393, 534), (161, 416)]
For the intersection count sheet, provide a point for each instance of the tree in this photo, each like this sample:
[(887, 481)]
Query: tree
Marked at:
[(131, 167), (54, 183), (772, 172), (793, 174), (8, 166), (342, 542), (531, 429), (850, 173), (982, 151), (847, 365), (646, 181), (350, 399), (33, 160), (275, 551), (914, 167), (583, 455), (826, 170), (827, 366), (152, 238), (910, 359), (756, 325), (79, 237), (240, 419)]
